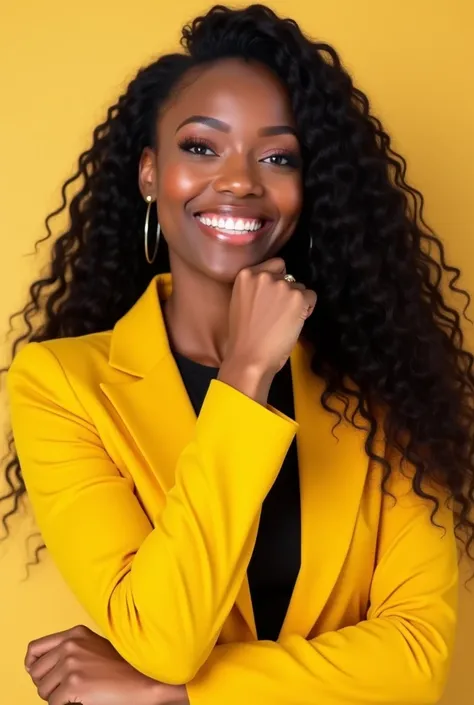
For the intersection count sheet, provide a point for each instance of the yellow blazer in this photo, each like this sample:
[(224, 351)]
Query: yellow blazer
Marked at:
[(151, 516)]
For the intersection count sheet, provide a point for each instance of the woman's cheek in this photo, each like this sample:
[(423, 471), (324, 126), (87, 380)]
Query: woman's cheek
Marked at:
[(177, 184)]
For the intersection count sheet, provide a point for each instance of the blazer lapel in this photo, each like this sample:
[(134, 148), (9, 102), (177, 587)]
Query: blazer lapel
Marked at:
[(332, 476), (150, 399), (153, 402), (159, 417)]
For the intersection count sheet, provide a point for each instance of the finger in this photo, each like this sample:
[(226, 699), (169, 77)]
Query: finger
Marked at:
[(295, 285), (52, 680), (44, 664), (38, 647), (276, 265), (310, 301)]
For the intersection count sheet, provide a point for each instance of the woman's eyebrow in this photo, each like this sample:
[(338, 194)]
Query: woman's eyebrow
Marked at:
[(225, 127)]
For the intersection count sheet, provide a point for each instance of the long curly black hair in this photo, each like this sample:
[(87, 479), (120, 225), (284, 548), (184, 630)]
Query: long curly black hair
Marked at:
[(378, 269)]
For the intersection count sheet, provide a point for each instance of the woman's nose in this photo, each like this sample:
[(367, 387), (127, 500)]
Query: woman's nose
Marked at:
[(239, 177)]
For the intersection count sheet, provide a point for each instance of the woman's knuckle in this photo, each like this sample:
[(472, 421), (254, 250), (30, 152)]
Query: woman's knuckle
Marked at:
[(32, 647), (244, 274), (34, 672), (70, 663), (69, 646), (297, 296), (281, 285), (74, 679), (80, 630), (265, 276), (42, 692)]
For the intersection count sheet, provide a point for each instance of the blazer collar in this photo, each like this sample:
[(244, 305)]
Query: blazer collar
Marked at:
[(139, 338)]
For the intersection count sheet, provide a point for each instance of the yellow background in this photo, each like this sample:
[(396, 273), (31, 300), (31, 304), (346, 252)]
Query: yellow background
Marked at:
[(63, 64)]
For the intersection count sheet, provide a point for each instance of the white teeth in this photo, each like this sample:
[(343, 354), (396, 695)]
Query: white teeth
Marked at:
[(237, 225)]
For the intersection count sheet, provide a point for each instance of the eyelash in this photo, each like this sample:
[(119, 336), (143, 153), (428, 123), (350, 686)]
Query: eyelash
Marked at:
[(189, 143)]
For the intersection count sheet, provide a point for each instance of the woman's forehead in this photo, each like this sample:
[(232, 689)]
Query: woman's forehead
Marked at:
[(232, 90)]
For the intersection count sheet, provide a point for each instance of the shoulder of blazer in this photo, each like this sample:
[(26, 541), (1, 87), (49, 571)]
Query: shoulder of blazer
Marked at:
[(134, 344), (83, 360)]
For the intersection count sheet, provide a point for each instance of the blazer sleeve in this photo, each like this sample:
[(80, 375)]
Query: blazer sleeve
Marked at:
[(162, 594), (399, 655)]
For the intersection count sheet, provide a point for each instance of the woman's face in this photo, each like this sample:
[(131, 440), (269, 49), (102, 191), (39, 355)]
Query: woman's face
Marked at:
[(227, 173)]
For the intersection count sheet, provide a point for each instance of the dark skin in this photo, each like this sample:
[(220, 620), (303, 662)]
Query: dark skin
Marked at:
[(230, 307), (246, 169)]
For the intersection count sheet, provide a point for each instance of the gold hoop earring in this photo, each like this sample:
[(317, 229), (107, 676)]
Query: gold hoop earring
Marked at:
[(151, 259)]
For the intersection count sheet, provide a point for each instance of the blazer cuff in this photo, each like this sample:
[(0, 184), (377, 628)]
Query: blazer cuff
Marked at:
[(241, 416)]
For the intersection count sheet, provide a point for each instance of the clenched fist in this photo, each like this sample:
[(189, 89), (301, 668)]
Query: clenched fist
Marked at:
[(266, 316), (79, 666)]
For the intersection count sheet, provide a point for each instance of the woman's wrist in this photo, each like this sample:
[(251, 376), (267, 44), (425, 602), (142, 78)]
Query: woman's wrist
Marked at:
[(162, 694), (246, 378)]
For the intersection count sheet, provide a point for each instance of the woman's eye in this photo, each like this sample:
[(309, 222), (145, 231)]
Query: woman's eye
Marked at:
[(198, 148), (281, 160), (201, 149)]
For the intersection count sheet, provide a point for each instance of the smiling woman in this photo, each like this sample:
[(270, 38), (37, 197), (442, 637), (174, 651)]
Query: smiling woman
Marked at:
[(231, 172), (249, 449)]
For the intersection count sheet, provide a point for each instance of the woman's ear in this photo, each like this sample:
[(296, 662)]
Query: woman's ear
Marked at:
[(147, 173)]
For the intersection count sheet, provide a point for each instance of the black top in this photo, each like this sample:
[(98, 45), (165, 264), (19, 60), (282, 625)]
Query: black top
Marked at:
[(275, 562)]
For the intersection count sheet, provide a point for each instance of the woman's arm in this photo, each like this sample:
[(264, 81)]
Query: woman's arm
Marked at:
[(79, 666), (159, 595), (398, 656)]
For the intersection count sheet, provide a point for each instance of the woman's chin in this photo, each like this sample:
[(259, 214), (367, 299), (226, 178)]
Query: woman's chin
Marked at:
[(225, 270)]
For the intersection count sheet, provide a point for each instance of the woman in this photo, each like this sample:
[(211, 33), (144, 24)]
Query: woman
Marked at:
[(254, 495)]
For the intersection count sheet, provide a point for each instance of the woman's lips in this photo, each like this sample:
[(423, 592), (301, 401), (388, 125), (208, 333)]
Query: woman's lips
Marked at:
[(234, 237)]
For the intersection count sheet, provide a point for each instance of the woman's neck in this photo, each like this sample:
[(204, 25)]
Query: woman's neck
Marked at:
[(196, 315)]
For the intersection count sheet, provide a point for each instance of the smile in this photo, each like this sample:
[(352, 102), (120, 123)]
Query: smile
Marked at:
[(232, 231), (231, 226)]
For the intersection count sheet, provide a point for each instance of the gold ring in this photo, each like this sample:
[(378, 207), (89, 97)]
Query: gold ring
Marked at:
[(289, 278)]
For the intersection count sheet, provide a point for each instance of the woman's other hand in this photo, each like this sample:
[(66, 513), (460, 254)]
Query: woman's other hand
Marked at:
[(80, 666)]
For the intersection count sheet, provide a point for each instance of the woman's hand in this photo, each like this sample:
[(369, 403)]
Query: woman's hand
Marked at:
[(266, 316), (79, 666)]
